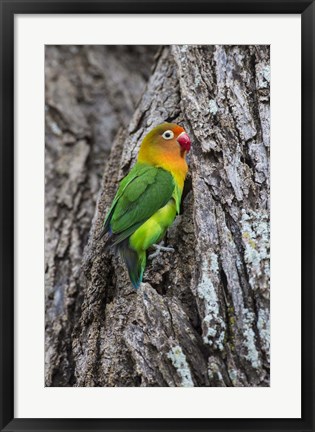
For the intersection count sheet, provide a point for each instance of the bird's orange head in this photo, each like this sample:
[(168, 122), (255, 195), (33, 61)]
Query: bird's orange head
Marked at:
[(166, 146), (165, 140)]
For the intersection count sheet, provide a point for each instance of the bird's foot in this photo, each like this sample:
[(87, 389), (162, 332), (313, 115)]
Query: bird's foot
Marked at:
[(160, 248)]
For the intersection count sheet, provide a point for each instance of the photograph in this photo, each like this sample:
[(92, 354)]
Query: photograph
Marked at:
[(157, 215)]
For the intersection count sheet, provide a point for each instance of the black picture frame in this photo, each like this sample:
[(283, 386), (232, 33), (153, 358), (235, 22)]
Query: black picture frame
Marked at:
[(9, 8)]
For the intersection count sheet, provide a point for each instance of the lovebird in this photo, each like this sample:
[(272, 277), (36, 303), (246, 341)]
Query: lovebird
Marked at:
[(148, 198)]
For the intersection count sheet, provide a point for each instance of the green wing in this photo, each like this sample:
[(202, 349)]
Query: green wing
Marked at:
[(136, 171), (141, 193)]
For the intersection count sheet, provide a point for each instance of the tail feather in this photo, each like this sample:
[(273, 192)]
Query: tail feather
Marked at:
[(135, 262)]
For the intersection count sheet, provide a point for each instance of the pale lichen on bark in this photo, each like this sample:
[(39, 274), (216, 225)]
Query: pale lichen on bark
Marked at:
[(201, 318)]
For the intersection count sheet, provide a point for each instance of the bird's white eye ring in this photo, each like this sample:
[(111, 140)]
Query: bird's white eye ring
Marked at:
[(168, 135)]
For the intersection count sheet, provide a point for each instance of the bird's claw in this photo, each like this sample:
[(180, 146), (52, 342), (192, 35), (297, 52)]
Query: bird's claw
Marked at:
[(159, 248)]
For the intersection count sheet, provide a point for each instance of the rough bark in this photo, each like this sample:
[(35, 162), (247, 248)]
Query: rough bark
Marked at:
[(201, 317), (91, 92)]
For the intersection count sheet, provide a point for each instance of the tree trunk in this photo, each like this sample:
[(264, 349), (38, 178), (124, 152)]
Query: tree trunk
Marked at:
[(201, 317)]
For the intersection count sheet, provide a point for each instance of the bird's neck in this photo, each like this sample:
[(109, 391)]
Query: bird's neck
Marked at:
[(175, 164)]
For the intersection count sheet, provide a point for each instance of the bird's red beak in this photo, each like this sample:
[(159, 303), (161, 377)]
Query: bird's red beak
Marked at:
[(184, 141)]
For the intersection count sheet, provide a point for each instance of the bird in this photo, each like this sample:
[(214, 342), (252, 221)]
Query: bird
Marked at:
[(148, 198)]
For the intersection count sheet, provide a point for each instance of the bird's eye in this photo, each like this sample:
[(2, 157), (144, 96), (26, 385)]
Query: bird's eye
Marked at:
[(168, 134)]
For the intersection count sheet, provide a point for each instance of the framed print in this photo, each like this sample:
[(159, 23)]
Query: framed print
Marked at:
[(156, 215)]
